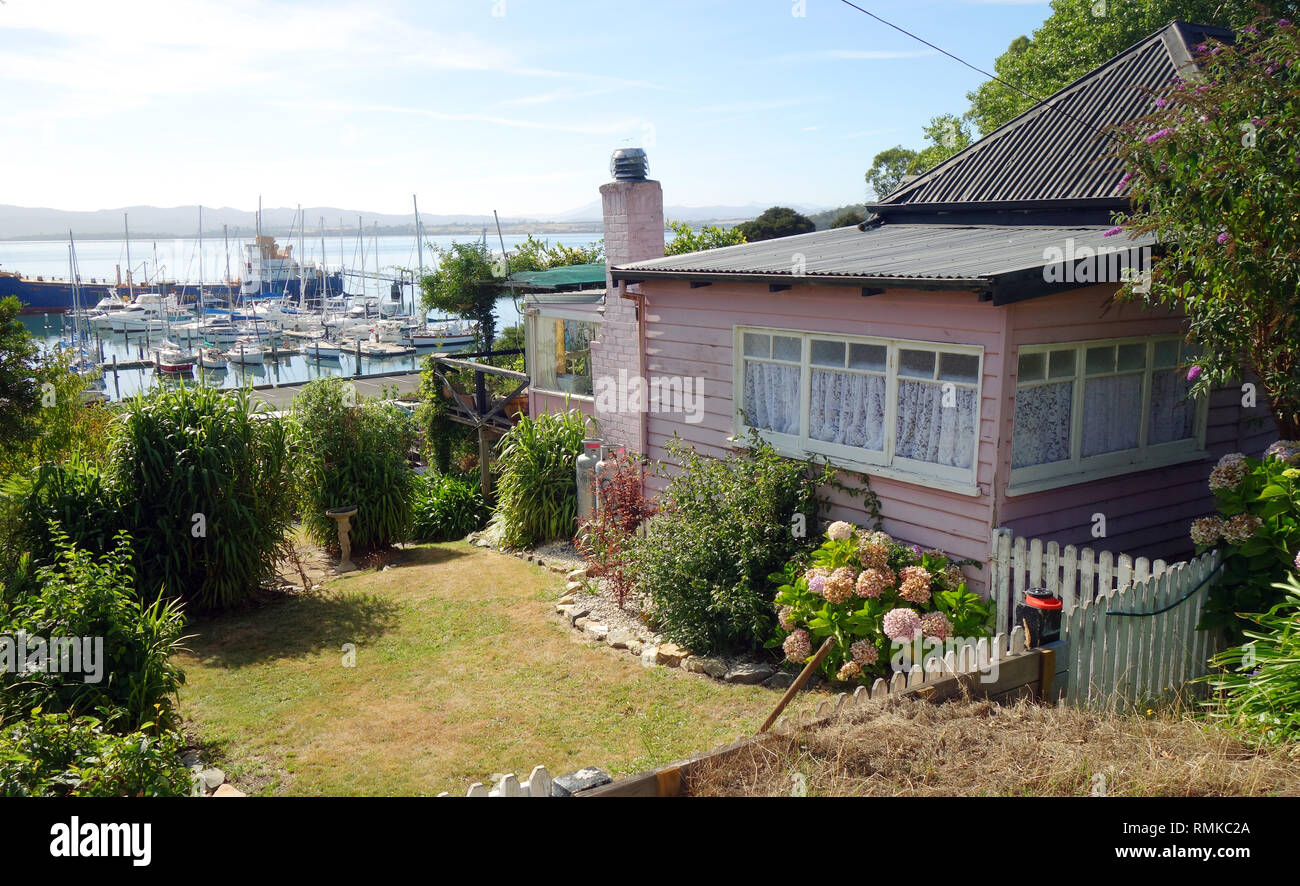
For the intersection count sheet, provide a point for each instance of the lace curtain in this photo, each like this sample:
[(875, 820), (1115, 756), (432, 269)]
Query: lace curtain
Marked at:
[(1041, 433), (1173, 413), (848, 409), (928, 431), (772, 397), (1112, 413)]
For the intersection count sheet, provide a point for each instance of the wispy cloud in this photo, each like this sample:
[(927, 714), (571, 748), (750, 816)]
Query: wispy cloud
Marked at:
[(603, 127)]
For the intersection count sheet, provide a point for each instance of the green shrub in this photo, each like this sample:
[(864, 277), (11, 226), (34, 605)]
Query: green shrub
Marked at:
[(61, 756), (84, 596), (853, 583), (446, 507), (537, 489), (1261, 683), (206, 494), (77, 496), (723, 527), (1257, 531), (352, 454)]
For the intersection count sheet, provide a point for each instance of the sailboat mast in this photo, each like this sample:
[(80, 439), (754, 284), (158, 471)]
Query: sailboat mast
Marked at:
[(419, 247), (200, 253), (126, 229)]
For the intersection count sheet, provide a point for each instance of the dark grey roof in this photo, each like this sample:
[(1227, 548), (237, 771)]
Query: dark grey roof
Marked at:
[(1056, 150), (1003, 262)]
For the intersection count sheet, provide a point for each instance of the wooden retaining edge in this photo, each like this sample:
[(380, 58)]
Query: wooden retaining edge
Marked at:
[(1027, 674)]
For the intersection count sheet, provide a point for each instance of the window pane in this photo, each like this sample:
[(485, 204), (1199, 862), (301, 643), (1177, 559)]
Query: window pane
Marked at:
[(847, 408), (1062, 364), (1041, 433), (916, 364), (1100, 360), (959, 367), (1032, 367), (786, 348), (1132, 357), (1166, 353), (562, 357), (931, 432), (1112, 414), (828, 353), (1173, 413), (868, 357), (772, 397), (757, 345)]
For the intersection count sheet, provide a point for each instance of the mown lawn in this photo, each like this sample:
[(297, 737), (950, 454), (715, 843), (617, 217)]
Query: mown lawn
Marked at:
[(462, 670)]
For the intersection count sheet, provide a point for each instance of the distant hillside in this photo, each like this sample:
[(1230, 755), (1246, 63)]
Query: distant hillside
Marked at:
[(823, 219), (35, 223), (183, 221)]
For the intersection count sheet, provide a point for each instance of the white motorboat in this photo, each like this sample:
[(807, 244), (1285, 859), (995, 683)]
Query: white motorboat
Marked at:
[(320, 349), (248, 352), (173, 360), (211, 358)]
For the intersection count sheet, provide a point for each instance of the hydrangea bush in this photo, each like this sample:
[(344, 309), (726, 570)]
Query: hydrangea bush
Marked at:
[(1257, 529), (869, 591)]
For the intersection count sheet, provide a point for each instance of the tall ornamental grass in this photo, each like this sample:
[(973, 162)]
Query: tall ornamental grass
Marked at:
[(205, 491), (352, 454), (537, 490)]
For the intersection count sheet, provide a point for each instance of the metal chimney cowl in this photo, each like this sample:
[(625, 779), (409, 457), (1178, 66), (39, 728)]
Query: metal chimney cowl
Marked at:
[(629, 165)]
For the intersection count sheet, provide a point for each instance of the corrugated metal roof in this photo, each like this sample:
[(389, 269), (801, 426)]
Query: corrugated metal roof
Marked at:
[(887, 252), (1056, 150)]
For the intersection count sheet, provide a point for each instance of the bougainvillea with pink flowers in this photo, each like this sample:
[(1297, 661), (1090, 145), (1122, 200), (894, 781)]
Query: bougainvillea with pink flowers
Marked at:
[(870, 592)]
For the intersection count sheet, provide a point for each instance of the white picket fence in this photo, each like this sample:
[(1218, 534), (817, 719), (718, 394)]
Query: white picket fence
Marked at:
[(1116, 659), (538, 785), (985, 655), (1072, 574)]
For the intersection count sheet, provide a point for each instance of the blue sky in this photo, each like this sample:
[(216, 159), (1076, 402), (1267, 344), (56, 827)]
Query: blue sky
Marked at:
[(475, 105)]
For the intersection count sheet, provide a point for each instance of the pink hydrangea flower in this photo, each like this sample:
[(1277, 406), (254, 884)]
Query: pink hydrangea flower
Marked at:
[(901, 624), (841, 584), (935, 626), (849, 671), (1241, 528), (797, 646), (784, 616), (1284, 450), (865, 652), (816, 579), (1207, 531), (839, 530), (875, 581), (1229, 472), (914, 584), (873, 555)]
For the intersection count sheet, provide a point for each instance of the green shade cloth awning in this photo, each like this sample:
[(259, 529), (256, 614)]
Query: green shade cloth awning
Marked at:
[(570, 277)]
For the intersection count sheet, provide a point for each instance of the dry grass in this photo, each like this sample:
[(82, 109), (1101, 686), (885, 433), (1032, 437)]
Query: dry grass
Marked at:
[(462, 670), (975, 748)]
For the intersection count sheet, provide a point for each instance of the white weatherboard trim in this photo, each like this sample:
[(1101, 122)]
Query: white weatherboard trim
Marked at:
[(962, 481)]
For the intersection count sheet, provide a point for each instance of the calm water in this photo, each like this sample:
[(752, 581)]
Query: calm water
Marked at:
[(178, 259)]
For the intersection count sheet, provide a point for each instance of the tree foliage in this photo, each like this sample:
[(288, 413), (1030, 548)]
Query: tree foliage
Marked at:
[(19, 389), (467, 282), (1215, 175), (848, 217), (888, 168), (540, 255), (779, 221), (687, 239), (1082, 34)]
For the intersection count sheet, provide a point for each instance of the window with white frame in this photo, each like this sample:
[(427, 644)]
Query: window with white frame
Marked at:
[(1087, 407), (560, 352), (901, 405)]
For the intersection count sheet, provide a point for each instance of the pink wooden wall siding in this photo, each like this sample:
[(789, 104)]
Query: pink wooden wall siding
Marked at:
[(689, 332), (1147, 512)]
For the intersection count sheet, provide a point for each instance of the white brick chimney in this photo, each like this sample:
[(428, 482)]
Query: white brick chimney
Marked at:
[(633, 212)]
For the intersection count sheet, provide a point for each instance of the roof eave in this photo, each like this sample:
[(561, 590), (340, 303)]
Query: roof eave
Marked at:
[(631, 274)]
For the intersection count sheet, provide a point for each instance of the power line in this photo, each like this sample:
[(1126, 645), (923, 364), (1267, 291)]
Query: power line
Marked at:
[(977, 69)]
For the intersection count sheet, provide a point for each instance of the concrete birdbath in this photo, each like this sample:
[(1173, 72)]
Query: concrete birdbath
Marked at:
[(343, 516)]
